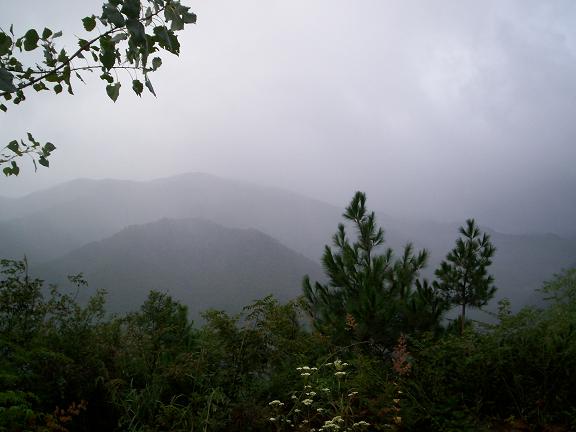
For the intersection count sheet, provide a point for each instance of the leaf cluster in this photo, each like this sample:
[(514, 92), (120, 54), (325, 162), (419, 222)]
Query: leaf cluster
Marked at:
[(128, 36)]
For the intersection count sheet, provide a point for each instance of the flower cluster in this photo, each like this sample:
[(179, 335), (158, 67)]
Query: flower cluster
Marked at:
[(325, 402)]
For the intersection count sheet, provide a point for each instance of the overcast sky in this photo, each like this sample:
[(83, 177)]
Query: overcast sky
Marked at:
[(439, 109)]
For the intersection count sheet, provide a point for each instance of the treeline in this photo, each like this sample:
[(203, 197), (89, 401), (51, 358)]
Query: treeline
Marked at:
[(370, 349)]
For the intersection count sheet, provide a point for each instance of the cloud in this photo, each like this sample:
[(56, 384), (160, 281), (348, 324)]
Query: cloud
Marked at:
[(437, 109)]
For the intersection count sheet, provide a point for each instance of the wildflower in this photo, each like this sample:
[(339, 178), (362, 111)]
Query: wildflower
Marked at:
[(361, 423), (311, 393), (339, 374), (276, 403), (352, 394), (307, 401), (397, 420), (272, 419), (305, 374), (326, 389)]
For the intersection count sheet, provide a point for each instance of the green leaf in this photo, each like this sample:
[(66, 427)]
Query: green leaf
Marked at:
[(13, 145), (84, 44), (119, 37), (57, 35), (49, 147), (112, 15), (43, 161), (107, 52), (46, 33), (149, 86), (5, 44), (6, 79), (131, 9), (58, 88), (167, 39), (107, 77), (89, 23), (113, 91), (156, 62), (188, 17), (53, 77), (39, 86), (148, 16), (138, 87), (136, 29), (13, 170), (31, 39), (3, 108), (62, 56)]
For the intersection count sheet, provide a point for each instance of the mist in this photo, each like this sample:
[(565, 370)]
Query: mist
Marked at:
[(437, 110)]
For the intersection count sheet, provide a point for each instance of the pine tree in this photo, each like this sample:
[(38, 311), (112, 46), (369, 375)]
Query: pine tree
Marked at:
[(463, 277), (369, 293)]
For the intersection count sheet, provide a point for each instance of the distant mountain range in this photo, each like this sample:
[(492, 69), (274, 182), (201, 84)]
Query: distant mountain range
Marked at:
[(90, 225)]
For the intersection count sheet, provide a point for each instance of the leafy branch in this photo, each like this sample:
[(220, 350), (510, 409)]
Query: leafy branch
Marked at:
[(130, 31)]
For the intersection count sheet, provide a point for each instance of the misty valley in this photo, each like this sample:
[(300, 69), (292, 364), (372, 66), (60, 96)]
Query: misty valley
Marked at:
[(197, 303)]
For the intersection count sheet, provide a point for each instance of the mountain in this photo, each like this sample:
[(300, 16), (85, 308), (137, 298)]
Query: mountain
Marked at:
[(92, 210), (200, 263), (49, 224)]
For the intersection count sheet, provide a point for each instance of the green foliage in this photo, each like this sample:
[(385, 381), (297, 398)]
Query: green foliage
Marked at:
[(463, 275), (370, 294), (66, 366), (21, 310), (129, 32)]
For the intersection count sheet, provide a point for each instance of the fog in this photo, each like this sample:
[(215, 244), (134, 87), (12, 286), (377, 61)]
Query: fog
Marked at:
[(438, 110)]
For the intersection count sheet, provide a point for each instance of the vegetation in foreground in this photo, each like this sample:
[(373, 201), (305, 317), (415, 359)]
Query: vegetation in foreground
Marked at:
[(369, 350)]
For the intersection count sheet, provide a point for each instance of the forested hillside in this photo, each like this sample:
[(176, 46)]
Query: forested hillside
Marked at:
[(201, 264)]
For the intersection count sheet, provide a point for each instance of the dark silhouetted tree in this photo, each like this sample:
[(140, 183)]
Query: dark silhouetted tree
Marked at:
[(463, 277)]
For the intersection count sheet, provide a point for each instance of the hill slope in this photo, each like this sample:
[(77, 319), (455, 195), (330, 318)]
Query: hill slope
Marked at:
[(203, 264)]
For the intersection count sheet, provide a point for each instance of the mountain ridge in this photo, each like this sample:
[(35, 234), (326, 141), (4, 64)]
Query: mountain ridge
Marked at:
[(88, 210)]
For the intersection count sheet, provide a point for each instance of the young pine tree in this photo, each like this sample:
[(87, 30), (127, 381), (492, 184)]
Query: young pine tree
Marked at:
[(463, 276), (369, 295)]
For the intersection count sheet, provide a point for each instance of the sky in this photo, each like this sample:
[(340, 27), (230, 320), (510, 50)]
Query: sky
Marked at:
[(438, 110)]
